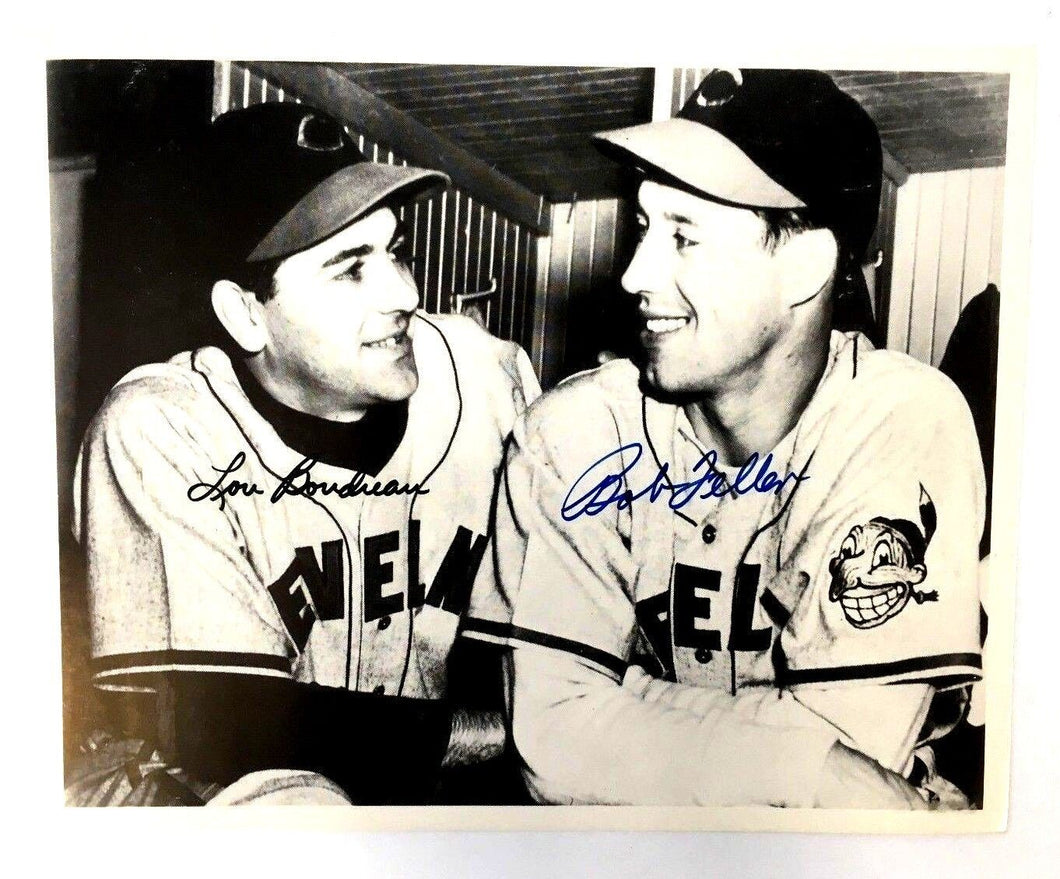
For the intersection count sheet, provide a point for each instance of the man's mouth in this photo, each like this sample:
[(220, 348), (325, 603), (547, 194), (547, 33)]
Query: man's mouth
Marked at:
[(662, 325), (396, 339)]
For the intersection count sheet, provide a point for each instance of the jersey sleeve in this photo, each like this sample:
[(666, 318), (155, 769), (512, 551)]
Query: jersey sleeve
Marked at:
[(562, 599), (884, 543), (525, 387), (853, 714), (169, 584), (559, 584)]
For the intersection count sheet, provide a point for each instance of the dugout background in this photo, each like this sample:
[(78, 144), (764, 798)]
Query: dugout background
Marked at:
[(529, 213)]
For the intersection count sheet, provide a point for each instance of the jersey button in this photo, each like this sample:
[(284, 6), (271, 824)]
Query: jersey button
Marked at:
[(384, 623), (379, 690), (709, 533), (702, 655)]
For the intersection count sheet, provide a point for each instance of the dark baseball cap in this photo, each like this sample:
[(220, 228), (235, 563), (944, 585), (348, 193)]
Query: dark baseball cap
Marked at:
[(281, 177), (786, 139)]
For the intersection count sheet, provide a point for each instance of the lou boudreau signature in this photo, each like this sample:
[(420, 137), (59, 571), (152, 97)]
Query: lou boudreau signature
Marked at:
[(297, 482), (601, 486)]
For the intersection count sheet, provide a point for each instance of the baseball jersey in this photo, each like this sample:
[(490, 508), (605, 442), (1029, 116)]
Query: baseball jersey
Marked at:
[(844, 557), (212, 544)]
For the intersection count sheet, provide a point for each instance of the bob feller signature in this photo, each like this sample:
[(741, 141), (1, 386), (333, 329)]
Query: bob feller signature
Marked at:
[(597, 488)]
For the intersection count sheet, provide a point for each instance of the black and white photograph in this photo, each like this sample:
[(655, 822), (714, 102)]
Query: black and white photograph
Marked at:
[(452, 435)]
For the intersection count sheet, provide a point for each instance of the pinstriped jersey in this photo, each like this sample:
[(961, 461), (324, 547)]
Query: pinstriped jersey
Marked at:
[(846, 555), (213, 545)]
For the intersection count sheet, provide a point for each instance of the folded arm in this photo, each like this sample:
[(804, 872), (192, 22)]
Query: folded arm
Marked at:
[(585, 738)]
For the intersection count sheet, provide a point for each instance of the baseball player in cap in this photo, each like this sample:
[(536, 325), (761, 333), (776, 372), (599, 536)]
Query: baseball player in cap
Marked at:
[(737, 570), (281, 535)]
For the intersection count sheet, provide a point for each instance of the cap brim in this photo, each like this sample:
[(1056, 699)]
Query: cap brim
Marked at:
[(342, 198), (701, 158)]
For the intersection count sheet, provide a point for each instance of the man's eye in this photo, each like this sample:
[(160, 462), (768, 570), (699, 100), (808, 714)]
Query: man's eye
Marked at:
[(642, 229), (352, 272), (684, 242), (399, 250)]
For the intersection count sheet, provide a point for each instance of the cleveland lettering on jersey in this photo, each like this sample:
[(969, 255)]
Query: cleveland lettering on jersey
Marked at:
[(692, 613), (320, 597), (587, 497), (323, 585)]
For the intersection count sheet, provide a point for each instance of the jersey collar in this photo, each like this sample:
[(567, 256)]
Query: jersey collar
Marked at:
[(365, 445)]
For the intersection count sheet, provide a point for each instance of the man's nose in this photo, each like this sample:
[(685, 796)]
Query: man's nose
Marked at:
[(645, 273), (399, 291)]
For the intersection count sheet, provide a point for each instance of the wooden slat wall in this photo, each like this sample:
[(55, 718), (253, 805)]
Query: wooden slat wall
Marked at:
[(947, 248), (529, 123), (879, 279), (685, 81), (458, 245), (577, 278)]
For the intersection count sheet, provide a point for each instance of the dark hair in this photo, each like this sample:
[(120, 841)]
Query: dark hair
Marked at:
[(782, 224), (258, 277)]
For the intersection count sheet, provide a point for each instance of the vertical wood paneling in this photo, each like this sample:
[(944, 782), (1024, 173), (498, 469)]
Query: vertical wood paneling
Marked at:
[(526, 295), (691, 80), (604, 244), (444, 257), (884, 241), (949, 221), (995, 232), (496, 320), (426, 214), (554, 318), (662, 92), (512, 258), (926, 266), (951, 260), (582, 344), (685, 82), (466, 284), (458, 244), (505, 278), (977, 238), (473, 258), (677, 91), (576, 292), (541, 305), (907, 214)]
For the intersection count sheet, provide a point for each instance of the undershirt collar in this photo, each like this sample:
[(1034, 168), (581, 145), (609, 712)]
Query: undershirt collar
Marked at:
[(365, 445)]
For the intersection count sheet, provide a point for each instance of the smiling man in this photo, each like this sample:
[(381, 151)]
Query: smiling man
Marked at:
[(737, 571), (281, 535)]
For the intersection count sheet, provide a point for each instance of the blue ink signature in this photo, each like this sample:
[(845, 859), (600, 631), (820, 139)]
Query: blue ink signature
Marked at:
[(597, 488)]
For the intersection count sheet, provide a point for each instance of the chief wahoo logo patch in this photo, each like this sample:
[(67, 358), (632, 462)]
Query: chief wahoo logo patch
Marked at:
[(880, 564)]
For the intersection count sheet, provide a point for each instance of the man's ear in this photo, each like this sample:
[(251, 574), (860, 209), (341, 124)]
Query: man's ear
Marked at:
[(240, 314), (808, 261)]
